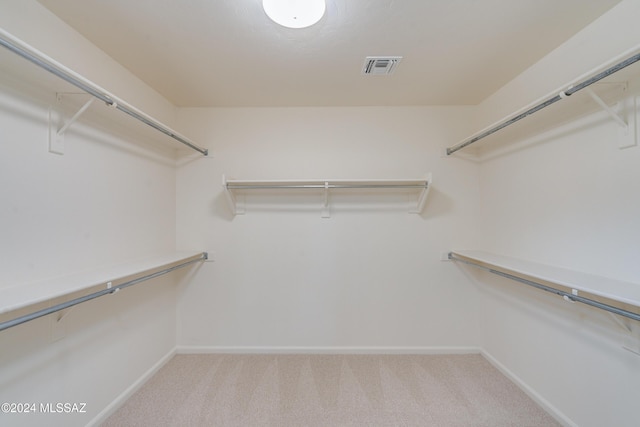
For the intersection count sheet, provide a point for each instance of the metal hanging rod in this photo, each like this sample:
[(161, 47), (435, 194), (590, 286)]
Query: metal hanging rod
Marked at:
[(321, 187), (43, 61), (566, 295), (110, 290), (563, 94)]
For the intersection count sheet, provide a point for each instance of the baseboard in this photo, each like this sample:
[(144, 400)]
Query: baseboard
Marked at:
[(326, 350), (122, 398), (534, 395)]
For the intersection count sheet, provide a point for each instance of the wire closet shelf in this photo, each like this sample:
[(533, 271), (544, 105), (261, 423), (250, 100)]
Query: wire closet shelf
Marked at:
[(45, 62), (631, 57), (613, 296), (183, 261)]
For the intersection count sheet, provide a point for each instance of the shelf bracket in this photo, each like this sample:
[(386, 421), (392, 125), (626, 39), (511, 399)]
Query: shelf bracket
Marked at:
[(233, 202), (626, 118), (56, 136), (325, 205), (59, 325), (75, 117), (422, 198), (615, 116), (631, 340), (628, 137), (620, 322)]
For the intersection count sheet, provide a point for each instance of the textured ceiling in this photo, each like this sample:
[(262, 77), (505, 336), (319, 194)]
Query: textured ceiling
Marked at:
[(206, 53)]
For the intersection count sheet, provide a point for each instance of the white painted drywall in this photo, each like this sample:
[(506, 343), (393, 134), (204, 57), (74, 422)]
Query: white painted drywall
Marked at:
[(571, 202), (286, 278), (567, 197), (105, 201)]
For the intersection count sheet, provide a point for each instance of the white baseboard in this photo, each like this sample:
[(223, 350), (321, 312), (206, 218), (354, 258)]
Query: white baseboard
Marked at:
[(122, 398), (326, 350), (544, 403)]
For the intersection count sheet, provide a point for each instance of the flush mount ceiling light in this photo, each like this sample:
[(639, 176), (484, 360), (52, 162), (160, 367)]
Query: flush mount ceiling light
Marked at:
[(294, 13)]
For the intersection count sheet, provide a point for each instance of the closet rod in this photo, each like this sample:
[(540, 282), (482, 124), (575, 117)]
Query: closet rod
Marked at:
[(320, 186), (43, 61), (563, 294), (563, 94), (40, 313)]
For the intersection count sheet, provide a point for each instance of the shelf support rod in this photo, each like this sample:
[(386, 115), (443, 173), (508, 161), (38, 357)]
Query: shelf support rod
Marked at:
[(75, 117), (231, 199), (620, 323), (615, 116), (422, 199)]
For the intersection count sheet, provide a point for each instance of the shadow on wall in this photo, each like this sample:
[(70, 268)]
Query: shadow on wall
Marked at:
[(220, 207), (110, 320), (510, 146), (574, 321), (438, 205)]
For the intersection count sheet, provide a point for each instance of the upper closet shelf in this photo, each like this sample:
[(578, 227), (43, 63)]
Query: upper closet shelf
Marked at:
[(600, 88), (48, 64), (417, 188), (622, 298)]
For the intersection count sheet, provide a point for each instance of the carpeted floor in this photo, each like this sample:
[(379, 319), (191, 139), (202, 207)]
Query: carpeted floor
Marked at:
[(330, 390)]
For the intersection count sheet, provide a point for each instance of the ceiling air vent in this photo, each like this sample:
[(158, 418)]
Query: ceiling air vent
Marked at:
[(380, 65)]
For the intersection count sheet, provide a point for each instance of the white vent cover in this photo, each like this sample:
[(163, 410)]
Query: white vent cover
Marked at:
[(380, 65)]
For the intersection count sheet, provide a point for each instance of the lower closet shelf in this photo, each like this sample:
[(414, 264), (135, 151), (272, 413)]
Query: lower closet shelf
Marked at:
[(103, 280), (622, 298)]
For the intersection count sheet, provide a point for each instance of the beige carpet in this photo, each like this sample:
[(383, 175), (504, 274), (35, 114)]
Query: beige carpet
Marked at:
[(330, 390)]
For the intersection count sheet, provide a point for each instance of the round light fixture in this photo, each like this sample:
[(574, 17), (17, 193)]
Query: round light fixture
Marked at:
[(294, 13)]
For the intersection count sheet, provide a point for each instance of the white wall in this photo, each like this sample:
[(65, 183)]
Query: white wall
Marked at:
[(567, 197), (284, 277), (105, 201), (569, 202), (363, 278)]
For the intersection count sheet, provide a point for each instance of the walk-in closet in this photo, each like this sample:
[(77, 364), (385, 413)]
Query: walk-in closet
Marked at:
[(383, 213)]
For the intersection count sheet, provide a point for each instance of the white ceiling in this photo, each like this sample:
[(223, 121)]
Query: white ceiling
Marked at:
[(206, 53)]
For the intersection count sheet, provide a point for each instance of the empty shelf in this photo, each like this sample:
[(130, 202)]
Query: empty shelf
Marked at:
[(324, 186), (616, 296), (18, 297)]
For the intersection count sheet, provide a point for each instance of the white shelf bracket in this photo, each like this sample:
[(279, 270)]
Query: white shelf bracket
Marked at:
[(325, 205), (75, 117), (422, 198), (56, 135), (623, 323), (612, 113), (626, 118), (631, 340), (58, 325), (628, 137), (233, 202)]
